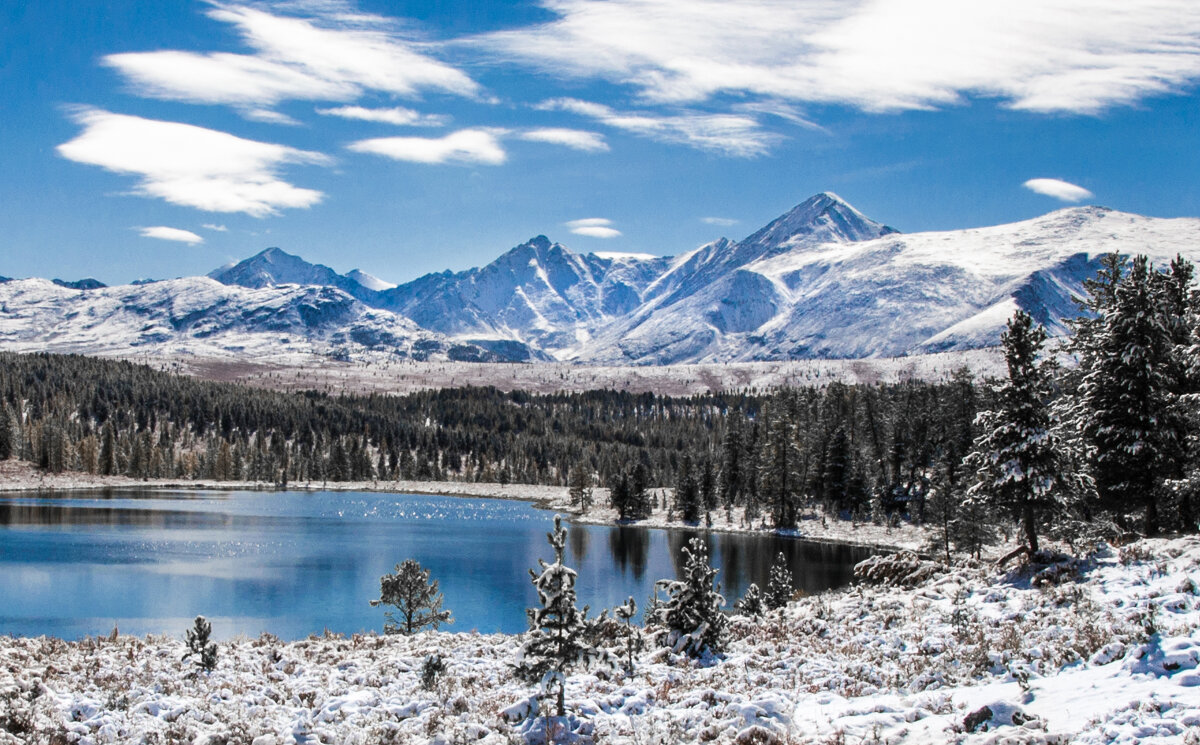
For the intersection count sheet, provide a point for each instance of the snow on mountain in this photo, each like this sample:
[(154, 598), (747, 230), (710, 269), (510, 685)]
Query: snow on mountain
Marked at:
[(201, 317), (275, 266), (370, 281), (820, 281), (892, 294), (539, 294), (705, 296)]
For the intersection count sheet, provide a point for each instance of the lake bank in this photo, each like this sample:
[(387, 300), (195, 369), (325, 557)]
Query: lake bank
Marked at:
[(1069, 661), (19, 476)]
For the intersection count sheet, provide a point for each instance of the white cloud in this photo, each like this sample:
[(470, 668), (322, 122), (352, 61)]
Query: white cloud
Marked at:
[(192, 166), (722, 221), (212, 226), (397, 115), (593, 227), (467, 146), (730, 134), (576, 139), (330, 56), (1044, 55), (1062, 190), (164, 233)]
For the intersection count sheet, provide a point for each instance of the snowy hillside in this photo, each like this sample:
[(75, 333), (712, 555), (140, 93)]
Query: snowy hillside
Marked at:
[(201, 317), (822, 281), (890, 295), (539, 294), (275, 266)]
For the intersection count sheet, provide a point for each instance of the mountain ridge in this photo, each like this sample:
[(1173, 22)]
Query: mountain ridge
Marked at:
[(822, 280)]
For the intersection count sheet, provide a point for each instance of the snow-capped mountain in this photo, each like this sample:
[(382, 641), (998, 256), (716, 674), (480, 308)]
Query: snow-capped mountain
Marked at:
[(275, 266), (892, 294), (538, 293), (200, 317), (820, 281)]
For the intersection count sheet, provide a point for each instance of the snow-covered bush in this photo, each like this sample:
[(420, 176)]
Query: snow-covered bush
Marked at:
[(691, 614)]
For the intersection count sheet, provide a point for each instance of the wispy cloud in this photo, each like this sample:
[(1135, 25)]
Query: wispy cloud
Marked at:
[(1051, 55), (214, 227), (722, 221), (397, 115), (329, 55), (730, 134), (466, 146), (163, 233), (576, 139), (192, 166), (593, 227), (1057, 188)]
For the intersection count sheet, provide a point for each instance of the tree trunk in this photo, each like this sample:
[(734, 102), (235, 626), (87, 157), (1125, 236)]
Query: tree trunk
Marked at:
[(1030, 528)]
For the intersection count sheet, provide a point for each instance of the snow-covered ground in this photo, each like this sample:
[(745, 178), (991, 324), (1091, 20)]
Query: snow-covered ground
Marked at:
[(1103, 650), (369, 374)]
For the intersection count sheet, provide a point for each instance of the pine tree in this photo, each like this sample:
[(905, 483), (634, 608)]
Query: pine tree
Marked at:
[(557, 638), (1016, 458), (633, 635), (7, 433), (779, 584), (691, 614), (200, 646), (579, 487), (416, 599), (751, 604), (687, 492), (779, 483), (1130, 410)]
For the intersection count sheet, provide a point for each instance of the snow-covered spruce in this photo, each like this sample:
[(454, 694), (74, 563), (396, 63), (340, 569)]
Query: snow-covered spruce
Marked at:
[(1108, 655)]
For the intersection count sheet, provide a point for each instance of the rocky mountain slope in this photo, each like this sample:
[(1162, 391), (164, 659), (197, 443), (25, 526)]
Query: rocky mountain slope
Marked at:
[(821, 281), (200, 317)]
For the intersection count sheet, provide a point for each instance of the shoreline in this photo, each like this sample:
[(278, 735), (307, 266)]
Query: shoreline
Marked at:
[(913, 666), (18, 477)]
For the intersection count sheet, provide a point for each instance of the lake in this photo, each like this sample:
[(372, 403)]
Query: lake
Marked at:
[(297, 563)]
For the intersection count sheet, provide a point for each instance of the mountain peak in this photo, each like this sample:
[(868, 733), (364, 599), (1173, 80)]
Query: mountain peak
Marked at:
[(822, 218)]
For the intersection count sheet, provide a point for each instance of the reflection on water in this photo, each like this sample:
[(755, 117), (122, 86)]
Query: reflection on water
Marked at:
[(297, 563)]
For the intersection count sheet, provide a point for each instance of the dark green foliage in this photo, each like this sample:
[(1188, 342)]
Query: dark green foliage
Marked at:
[(779, 584), (431, 669), (691, 614), (1131, 377), (633, 635), (199, 645), (417, 601), (1018, 459), (751, 604), (557, 639), (687, 492)]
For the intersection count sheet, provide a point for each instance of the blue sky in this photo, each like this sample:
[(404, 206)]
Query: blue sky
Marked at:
[(158, 139)]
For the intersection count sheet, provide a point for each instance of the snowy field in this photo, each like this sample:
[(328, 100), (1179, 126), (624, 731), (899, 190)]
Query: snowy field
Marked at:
[(1103, 650), (380, 374)]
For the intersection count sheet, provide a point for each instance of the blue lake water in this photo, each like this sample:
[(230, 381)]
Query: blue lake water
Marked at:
[(297, 563)]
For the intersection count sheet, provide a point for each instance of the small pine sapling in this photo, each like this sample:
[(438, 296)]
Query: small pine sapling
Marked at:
[(751, 604), (431, 669), (200, 646), (779, 585), (633, 635), (557, 639), (416, 598), (692, 613)]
